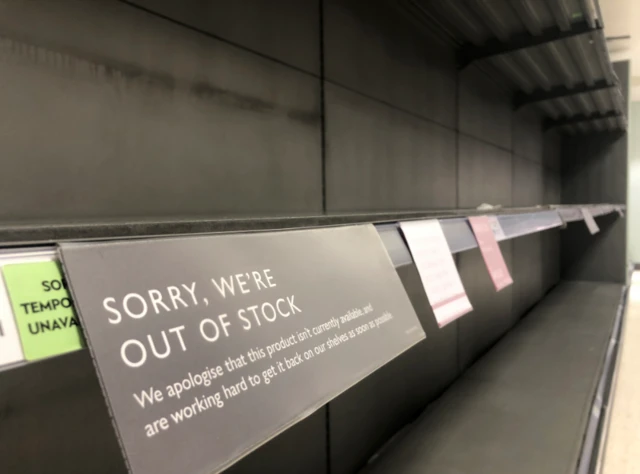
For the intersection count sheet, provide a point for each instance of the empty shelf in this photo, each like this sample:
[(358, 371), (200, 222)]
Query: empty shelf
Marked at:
[(525, 405)]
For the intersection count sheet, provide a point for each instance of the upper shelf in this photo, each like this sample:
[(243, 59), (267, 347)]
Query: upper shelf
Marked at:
[(513, 222), (552, 52), (21, 235)]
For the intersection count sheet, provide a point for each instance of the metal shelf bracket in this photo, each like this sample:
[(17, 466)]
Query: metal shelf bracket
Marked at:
[(540, 95), (576, 119), (495, 47)]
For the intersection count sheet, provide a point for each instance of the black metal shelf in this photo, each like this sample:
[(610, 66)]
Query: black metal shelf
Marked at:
[(20, 235), (552, 53), (513, 222)]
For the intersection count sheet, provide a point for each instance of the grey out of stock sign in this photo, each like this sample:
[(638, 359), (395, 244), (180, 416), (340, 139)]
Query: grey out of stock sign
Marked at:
[(207, 347)]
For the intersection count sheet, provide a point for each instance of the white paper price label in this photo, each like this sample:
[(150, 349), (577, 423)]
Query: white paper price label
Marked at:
[(437, 269), (590, 221), (10, 347)]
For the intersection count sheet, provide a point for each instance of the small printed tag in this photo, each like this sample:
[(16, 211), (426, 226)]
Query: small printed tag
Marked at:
[(590, 221), (437, 269), (493, 258)]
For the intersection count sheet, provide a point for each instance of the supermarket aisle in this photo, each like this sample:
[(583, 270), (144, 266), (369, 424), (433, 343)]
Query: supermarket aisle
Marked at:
[(622, 450)]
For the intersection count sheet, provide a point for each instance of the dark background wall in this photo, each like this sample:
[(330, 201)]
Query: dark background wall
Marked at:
[(161, 109), (390, 111), (594, 169), (119, 113)]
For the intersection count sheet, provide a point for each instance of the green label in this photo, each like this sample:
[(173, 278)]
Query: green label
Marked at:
[(44, 312)]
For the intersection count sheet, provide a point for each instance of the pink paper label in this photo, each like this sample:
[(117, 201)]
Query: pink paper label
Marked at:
[(491, 252)]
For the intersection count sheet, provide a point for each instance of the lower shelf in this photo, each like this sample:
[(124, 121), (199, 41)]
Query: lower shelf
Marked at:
[(524, 407)]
